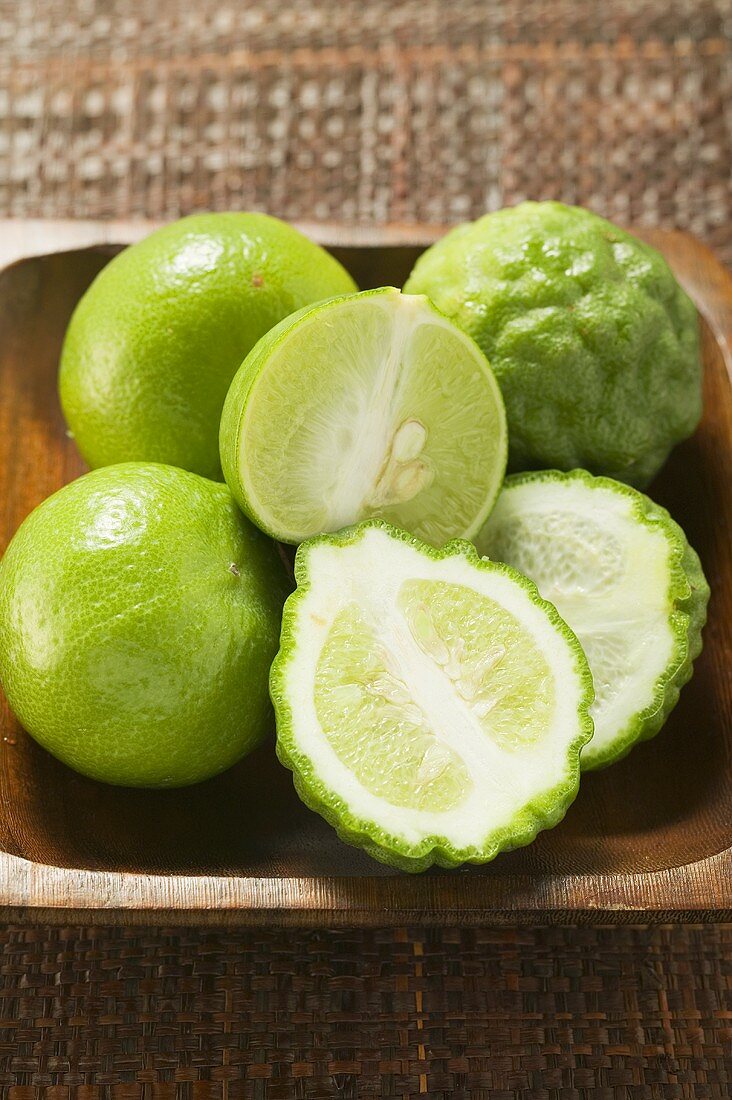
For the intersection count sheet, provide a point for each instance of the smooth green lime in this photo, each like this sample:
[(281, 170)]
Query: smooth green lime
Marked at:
[(139, 614), (367, 405), (594, 343), (624, 577), (432, 706), (157, 338)]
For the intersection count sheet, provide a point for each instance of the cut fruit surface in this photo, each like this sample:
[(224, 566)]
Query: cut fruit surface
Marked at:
[(624, 577), (432, 706), (372, 404)]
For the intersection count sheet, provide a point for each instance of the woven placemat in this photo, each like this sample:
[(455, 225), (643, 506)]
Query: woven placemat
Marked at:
[(368, 113), (419, 111), (553, 1014)]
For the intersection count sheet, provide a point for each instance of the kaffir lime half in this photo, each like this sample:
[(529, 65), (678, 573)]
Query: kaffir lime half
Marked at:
[(431, 705), (624, 577)]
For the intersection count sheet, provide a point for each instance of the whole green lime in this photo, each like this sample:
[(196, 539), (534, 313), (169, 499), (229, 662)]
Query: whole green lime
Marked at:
[(139, 615), (158, 336), (594, 344)]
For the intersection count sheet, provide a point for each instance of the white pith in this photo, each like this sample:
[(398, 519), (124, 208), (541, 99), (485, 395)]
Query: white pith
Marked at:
[(364, 465), (631, 611), (371, 572), (369, 453)]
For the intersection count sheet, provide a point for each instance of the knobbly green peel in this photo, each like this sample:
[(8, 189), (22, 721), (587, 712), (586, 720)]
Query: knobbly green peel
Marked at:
[(592, 340), (407, 728), (365, 405), (623, 575)]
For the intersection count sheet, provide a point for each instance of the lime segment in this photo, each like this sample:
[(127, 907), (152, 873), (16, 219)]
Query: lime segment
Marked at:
[(374, 724), (491, 660)]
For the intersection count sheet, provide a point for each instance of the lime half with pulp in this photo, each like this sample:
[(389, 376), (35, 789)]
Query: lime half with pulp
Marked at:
[(623, 575), (372, 404), (432, 706)]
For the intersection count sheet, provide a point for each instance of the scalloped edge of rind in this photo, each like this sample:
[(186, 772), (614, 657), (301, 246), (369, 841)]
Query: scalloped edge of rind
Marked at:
[(688, 596), (541, 813)]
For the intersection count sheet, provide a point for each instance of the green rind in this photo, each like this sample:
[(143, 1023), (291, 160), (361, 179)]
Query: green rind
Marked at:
[(235, 407), (541, 813), (134, 652), (688, 596)]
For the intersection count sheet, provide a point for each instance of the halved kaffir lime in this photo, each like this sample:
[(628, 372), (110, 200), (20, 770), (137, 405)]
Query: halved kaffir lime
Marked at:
[(432, 706), (624, 577)]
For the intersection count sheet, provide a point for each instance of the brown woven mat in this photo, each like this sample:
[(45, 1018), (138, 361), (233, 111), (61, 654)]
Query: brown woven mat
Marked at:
[(368, 111), (552, 1014)]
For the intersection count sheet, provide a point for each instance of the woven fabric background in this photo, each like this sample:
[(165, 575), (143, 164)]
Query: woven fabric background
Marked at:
[(550, 1014), (367, 112)]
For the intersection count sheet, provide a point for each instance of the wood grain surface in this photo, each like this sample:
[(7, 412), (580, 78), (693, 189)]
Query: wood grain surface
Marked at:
[(647, 839)]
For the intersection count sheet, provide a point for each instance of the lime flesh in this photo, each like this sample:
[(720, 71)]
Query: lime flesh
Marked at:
[(431, 706), (624, 577), (368, 405)]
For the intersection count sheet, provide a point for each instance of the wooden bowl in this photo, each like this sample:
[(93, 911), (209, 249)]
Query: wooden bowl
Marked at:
[(649, 838)]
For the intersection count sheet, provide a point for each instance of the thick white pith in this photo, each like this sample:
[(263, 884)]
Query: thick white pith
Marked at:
[(361, 450), (629, 613), (384, 453), (371, 571)]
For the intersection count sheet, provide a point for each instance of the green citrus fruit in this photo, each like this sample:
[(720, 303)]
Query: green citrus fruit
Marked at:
[(158, 336), (431, 705), (622, 574), (593, 342), (367, 405), (139, 614)]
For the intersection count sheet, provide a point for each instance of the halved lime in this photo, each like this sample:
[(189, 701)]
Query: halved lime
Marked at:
[(432, 706), (624, 577), (371, 404)]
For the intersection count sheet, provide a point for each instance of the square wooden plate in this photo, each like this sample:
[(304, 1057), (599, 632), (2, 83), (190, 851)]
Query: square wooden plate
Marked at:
[(647, 839)]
